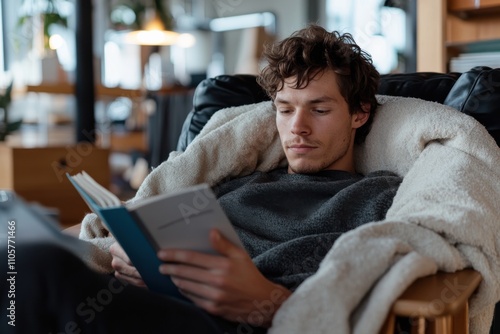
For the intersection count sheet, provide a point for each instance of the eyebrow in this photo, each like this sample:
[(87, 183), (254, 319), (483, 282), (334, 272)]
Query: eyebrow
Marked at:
[(317, 100)]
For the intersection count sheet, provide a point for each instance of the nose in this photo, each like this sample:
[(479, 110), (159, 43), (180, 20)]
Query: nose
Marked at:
[(300, 123)]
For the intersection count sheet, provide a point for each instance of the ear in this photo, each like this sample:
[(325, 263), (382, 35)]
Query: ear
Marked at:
[(361, 116)]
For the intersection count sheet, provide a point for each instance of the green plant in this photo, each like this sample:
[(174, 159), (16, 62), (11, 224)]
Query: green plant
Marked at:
[(50, 15), (7, 127), (139, 8)]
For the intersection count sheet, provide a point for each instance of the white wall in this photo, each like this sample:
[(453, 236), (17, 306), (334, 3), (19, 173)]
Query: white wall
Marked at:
[(291, 15)]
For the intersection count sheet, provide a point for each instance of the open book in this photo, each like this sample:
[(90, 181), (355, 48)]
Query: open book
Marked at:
[(179, 220)]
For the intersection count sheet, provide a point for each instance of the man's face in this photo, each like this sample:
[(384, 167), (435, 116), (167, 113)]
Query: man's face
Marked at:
[(315, 127)]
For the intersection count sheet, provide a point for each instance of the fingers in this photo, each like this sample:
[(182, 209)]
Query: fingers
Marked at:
[(191, 258), (117, 252), (196, 290), (225, 247), (221, 244), (127, 273), (130, 279), (213, 276), (124, 270)]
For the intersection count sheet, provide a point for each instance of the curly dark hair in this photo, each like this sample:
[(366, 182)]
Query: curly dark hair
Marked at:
[(311, 50)]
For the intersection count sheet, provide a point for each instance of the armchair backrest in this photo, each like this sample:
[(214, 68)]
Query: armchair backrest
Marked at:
[(217, 93), (476, 93)]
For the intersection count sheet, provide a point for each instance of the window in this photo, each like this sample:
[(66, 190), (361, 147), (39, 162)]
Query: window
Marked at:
[(383, 28), (2, 46)]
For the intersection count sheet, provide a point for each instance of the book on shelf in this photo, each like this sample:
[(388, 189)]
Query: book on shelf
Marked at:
[(465, 61), (181, 220)]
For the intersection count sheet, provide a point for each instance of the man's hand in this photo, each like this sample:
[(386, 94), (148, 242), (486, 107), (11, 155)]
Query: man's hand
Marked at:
[(228, 285), (124, 269)]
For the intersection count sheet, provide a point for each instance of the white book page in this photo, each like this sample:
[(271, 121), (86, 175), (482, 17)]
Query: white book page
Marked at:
[(104, 199), (108, 197)]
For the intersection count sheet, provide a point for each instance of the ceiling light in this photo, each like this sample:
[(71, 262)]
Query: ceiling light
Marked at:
[(153, 32)]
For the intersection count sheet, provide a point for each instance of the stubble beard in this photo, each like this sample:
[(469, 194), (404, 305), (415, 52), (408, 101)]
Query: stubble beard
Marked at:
[(318, 165)]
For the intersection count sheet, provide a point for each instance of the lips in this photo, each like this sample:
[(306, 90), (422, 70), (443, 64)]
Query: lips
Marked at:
[(301, 148)]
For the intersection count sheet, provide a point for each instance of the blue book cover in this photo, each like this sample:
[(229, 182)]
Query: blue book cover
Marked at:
[(130, 235)]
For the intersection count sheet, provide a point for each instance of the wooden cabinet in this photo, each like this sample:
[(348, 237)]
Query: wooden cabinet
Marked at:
[(37, 174), (448, 28)]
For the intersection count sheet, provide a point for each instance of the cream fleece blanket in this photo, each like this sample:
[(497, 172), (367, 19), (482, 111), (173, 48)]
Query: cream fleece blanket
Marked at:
[(445, 216)]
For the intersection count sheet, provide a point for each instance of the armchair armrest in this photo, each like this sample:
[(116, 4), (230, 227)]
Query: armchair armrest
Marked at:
[(436, 303)]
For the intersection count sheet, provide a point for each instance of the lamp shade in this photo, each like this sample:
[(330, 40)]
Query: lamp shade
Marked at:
[(153, 31)]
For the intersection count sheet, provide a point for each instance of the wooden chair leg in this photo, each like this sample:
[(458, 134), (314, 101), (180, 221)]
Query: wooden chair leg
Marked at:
[(455, 324), (438, 303), (442, 325), (461, 321), (418, 325), (389, 324)]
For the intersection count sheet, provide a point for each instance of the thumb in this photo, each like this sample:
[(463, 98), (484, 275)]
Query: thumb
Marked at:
[(223, 246)]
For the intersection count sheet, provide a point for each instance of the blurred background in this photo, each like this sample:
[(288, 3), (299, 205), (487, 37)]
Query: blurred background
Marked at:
[(106, 85)]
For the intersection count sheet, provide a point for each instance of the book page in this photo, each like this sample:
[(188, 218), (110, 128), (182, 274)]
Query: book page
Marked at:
[(101, 196)]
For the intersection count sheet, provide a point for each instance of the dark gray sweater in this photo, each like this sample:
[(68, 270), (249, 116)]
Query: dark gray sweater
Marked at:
[(288, 222)]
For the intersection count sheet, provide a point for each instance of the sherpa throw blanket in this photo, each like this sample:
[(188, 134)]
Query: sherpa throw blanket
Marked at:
[(445, 215)]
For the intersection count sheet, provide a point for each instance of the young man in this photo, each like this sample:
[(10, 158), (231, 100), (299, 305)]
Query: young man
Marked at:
[(323, 87)]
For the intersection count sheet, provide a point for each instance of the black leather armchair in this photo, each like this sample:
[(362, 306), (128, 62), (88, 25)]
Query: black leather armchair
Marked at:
[(476, 93)]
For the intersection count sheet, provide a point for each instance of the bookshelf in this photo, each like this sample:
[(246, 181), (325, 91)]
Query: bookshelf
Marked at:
[(446, 29), (102, 91)]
